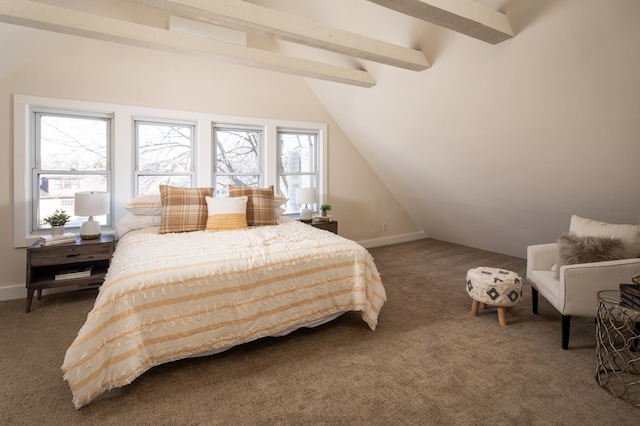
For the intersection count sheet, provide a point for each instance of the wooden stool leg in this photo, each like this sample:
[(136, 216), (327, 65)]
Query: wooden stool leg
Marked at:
[(483, 305), (474, 308), (510, 311), (502, 318)]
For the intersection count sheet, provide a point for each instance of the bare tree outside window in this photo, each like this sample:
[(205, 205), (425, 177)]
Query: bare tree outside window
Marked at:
[(71, 156), (164, 155), (238, 154), (297, 164)]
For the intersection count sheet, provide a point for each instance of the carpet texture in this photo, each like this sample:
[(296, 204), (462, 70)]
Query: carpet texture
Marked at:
[(429, 362)]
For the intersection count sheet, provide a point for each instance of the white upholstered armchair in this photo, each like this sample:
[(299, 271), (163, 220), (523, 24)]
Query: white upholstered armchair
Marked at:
[(572, 288)]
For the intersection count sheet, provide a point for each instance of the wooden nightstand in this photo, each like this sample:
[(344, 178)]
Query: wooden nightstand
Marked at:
[(331, 226), (45, 262)]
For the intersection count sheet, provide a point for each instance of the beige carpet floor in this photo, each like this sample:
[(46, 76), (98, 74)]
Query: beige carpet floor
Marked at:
[(428, 363)]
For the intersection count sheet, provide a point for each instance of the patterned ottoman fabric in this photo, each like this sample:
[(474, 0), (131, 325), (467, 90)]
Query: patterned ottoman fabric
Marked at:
[(494, 286)]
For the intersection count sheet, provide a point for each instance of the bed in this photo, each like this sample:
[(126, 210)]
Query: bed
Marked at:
[(169, 296)]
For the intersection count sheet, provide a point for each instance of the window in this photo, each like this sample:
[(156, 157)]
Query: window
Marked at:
[(297, 164), (64, 146), (71, 154), (163, 155), (238, 157)]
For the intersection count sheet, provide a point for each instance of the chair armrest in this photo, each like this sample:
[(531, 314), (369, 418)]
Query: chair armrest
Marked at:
[(582, 282), (541, 257)]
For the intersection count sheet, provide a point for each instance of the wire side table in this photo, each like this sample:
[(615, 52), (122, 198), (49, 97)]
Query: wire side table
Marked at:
[(617, 347)]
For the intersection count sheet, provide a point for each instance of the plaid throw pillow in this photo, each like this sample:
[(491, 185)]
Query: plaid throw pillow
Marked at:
[(183, 209), (260, 210)]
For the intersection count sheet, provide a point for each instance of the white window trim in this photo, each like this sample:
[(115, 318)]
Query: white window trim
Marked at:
[(159, 120), (123, 151), (261, 154), (320, 155)]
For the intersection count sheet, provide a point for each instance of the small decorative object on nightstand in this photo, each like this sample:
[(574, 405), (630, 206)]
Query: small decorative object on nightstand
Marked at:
[(82, 264), (57, 220), (324, 209)]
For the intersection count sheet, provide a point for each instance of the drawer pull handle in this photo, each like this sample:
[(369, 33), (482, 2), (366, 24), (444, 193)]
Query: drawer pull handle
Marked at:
[(72, 255)]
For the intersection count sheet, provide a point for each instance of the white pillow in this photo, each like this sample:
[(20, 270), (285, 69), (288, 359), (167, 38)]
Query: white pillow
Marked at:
[(148, 205), (131, 222), (279, 200), (226, 213), (629, 234)]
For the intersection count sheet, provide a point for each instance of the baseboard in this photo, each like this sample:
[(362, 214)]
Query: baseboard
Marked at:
[(20, 292), (13, 292), (396, 239)]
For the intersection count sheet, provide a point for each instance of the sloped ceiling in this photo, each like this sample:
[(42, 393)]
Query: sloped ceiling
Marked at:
[(494, 146)]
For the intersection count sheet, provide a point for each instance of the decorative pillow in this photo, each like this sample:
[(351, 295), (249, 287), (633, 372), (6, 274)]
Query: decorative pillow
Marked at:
[(260, 210), (279, 211), (183, 209), (226, 213), (145, 205), (574, 249), (630, 234), (131, 222), (279, 200)]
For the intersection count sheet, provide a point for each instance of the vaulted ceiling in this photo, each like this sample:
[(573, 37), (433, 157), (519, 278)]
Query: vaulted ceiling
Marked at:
[(492, 121), (465, 16)]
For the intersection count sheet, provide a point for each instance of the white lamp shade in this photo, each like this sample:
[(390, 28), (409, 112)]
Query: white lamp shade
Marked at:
[(91, 203), (306, 196)]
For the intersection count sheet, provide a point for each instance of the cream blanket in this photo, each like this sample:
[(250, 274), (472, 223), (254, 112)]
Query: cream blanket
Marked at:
[(173, 296)]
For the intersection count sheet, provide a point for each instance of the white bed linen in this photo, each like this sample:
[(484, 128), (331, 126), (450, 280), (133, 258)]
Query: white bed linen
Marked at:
[(173, 296)]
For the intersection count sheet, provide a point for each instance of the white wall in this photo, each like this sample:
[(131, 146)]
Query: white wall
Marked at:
[(96, 71), (497, 146)]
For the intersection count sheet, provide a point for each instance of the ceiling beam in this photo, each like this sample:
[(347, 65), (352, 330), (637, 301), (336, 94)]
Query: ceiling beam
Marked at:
[(244, 16), (50, 18), (464, 16)]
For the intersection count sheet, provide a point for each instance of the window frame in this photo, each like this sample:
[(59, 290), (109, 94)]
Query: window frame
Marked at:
[(162, 121), (36, 114), (262, 163), (122, 153), (316, 163)]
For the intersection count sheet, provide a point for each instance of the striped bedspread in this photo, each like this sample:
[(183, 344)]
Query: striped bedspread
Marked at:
[(173, 296)]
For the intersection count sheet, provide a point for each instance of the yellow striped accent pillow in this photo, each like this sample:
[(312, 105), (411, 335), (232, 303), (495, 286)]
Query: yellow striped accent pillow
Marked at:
[(226, 213)]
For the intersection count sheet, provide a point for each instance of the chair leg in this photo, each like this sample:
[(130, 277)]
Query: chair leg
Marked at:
[(534, 300), (566, 325)]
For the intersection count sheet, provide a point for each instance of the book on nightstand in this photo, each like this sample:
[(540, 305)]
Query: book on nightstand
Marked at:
[(67, 274), (50, 240)]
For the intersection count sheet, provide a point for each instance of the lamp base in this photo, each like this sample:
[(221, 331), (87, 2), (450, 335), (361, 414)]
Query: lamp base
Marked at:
[(90, 230), (305, 214)]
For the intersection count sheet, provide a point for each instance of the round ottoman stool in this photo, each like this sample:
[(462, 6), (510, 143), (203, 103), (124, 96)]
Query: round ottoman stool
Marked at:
[(495, 287)]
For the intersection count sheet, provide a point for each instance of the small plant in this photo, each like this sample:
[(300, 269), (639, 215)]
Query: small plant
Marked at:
[(325, 208), (58, 218)]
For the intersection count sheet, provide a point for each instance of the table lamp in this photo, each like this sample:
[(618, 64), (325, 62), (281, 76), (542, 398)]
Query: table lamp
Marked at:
[(91, 203), (304, 197)]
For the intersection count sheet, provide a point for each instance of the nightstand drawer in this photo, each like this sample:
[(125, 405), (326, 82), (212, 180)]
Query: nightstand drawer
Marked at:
[(61, 255)]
